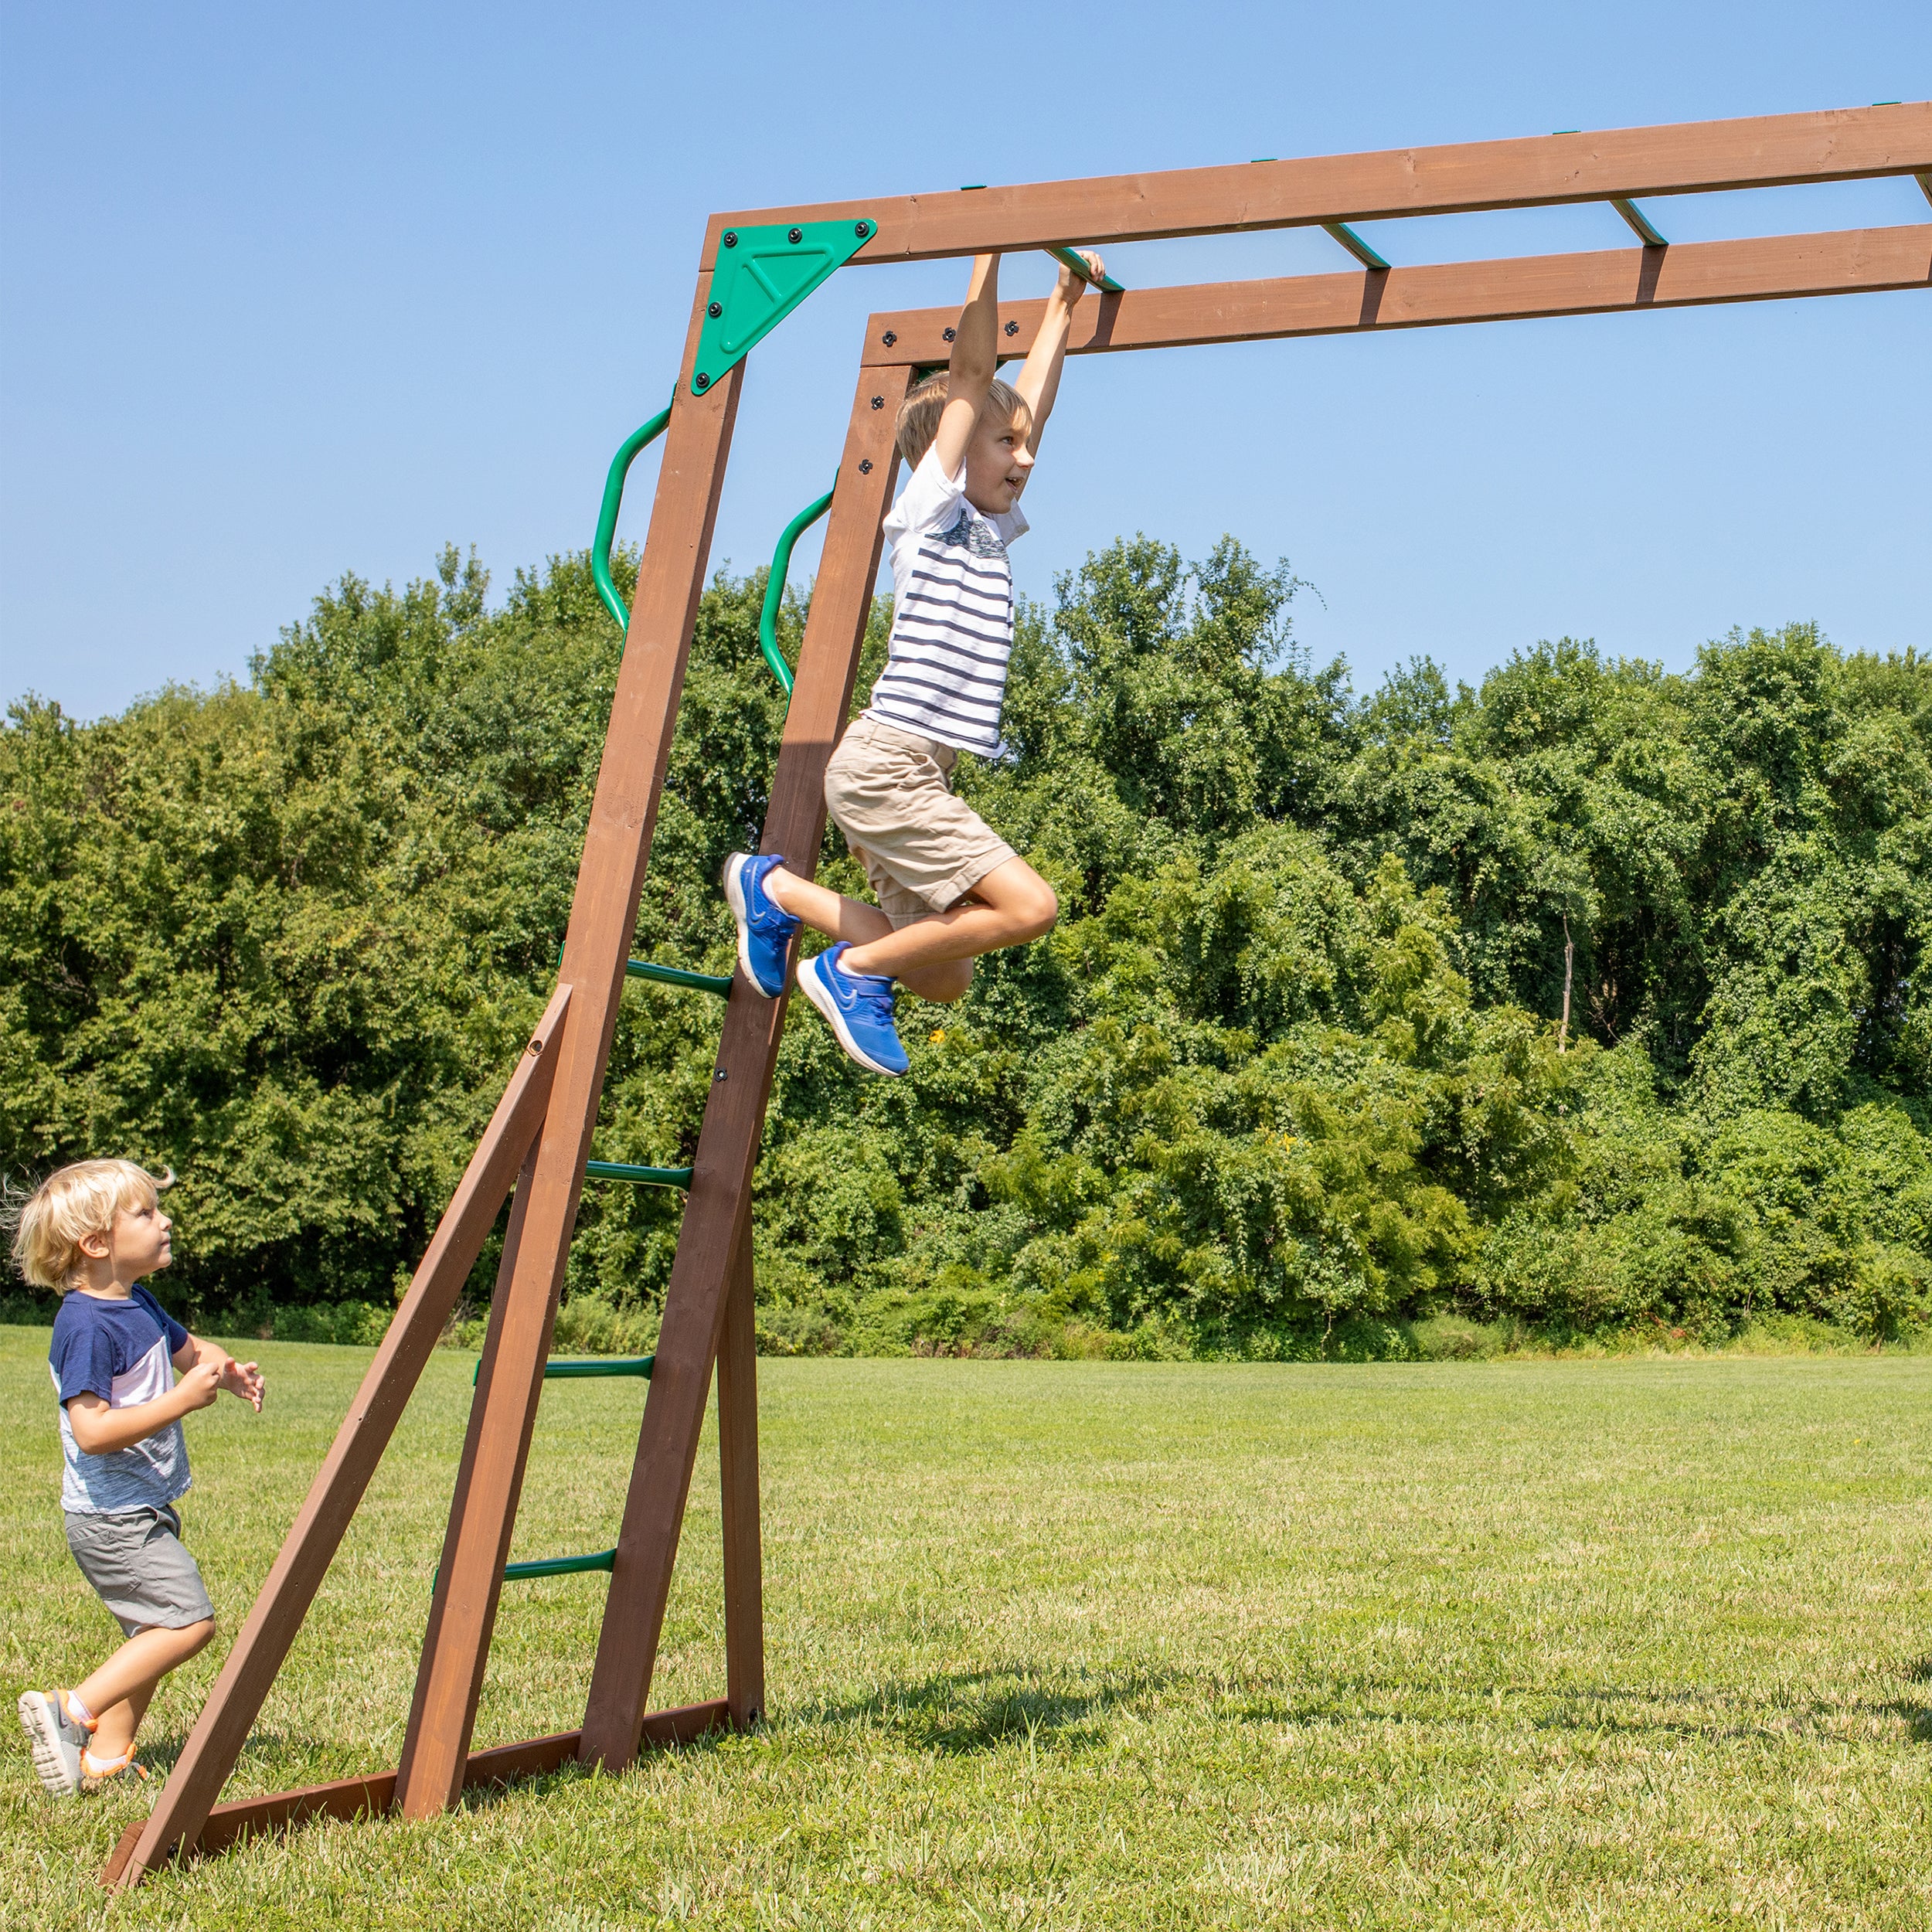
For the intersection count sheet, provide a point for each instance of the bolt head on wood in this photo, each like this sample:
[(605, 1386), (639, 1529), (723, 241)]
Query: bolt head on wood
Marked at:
[(865, 466), (890, 337)]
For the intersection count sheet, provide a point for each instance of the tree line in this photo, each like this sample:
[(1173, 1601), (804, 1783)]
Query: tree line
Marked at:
[(1593, 1000)]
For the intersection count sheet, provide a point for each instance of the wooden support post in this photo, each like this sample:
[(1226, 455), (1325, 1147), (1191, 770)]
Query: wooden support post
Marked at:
[(223, 1728), (603, 917), (744, 1606), (466, 1467), (734, 1119)]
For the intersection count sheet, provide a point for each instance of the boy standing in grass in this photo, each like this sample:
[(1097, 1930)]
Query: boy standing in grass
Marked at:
[(949, 887), (92, 1232)]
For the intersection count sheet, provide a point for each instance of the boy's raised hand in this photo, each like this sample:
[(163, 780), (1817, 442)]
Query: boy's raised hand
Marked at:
[(1073, 287), (244, 1378), (199, 1386)]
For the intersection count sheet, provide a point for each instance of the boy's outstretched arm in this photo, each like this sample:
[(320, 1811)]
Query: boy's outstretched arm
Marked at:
[(1040, 379), (974, 363), (242, 1378)]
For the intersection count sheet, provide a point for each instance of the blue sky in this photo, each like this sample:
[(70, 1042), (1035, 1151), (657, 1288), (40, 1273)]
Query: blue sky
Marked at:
[(292, 291)]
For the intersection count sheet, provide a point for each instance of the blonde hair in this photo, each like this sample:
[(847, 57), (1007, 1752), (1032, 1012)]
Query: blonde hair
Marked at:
[(918, 414), (73, 1203)]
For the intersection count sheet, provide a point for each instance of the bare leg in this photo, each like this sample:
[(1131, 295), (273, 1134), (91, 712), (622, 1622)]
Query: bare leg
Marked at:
[(1011, 904), (118, 1692), (851, 920)]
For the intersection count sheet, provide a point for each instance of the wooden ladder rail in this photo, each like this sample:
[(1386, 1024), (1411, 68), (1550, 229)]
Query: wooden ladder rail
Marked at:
[(603, 913), (717, 1213)]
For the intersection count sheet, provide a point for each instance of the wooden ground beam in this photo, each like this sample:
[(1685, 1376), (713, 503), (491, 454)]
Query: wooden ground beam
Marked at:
[(719, 1201), (1701, 157), (1844, 262), (181, 1814), (603, 919), (371, 1797)]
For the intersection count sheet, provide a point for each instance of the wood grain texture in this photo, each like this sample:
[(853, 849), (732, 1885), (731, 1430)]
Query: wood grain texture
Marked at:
[(195, 1782), (354, 1797), (1846, 262), (466, 1466), (603, 918), (734, 1118), (744, 1612), (1687, 158)]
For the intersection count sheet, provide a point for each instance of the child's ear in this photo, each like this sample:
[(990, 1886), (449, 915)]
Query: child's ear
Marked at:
[(98, 1245)]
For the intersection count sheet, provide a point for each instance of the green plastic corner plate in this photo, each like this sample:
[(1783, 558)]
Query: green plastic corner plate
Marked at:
[(761, 274)]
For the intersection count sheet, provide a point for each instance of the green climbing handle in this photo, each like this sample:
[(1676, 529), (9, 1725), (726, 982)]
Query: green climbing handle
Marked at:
[(608, 516), (775, 589)]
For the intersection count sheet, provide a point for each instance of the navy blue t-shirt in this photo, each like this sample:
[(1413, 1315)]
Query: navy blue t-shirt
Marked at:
[(124, 1352)]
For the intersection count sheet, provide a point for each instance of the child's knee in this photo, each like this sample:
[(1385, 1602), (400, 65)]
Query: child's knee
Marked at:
[(196, 1638), (1042, 911)]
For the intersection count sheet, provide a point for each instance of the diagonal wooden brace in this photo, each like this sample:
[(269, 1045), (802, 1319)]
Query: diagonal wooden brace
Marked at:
[(717, 1214)]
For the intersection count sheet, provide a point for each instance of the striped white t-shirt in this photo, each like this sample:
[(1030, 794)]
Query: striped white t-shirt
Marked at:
[(945, 674)]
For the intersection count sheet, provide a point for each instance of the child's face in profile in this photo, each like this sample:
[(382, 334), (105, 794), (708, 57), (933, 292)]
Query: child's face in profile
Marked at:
[(137, 1244), (997, 461)]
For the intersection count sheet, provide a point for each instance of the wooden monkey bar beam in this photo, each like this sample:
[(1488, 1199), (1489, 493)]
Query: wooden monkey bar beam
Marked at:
[(1850, 261), (1774, 150)]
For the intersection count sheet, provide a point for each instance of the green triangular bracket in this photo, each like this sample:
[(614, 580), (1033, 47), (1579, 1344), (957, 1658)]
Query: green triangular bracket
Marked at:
[(761, 276)]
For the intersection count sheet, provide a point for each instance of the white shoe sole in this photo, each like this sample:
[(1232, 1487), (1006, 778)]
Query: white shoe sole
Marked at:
[(820, 995), (735, 899), (41, 1723)]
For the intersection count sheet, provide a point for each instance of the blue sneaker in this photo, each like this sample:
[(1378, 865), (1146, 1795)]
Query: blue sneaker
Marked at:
[(857, 1007), (764, 927)]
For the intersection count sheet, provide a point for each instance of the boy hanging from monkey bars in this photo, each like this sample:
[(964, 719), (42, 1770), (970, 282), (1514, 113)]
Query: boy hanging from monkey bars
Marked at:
[(949, 887)]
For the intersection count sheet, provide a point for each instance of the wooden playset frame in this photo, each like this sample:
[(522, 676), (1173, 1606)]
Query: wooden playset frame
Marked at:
[(534, 1152)]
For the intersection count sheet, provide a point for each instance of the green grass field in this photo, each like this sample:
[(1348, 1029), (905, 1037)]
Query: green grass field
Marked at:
[(1576, 1643)]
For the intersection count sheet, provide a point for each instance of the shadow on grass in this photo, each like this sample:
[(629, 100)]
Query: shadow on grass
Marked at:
[(959, 1712), (1602, 1709)]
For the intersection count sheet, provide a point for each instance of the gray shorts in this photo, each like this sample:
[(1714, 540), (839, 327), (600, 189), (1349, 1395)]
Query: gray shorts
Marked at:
[(924, 848), (139, 1568)]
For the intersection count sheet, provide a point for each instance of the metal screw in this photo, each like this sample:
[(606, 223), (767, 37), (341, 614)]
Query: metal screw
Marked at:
[(889, 338), (1012, 328), (714, 309), (795, 234), (879, 402), (701, 380), (865, 466), (730, 238), (950, 333), (718, 1073), (862, 229)]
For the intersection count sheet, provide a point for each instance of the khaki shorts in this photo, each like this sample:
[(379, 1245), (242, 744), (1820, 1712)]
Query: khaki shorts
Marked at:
[(890, 792)]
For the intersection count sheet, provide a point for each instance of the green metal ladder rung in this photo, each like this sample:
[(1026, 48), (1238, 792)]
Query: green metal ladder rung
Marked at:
[(604, 1559), (718, 983), (577, 1368), (637, 1176)]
